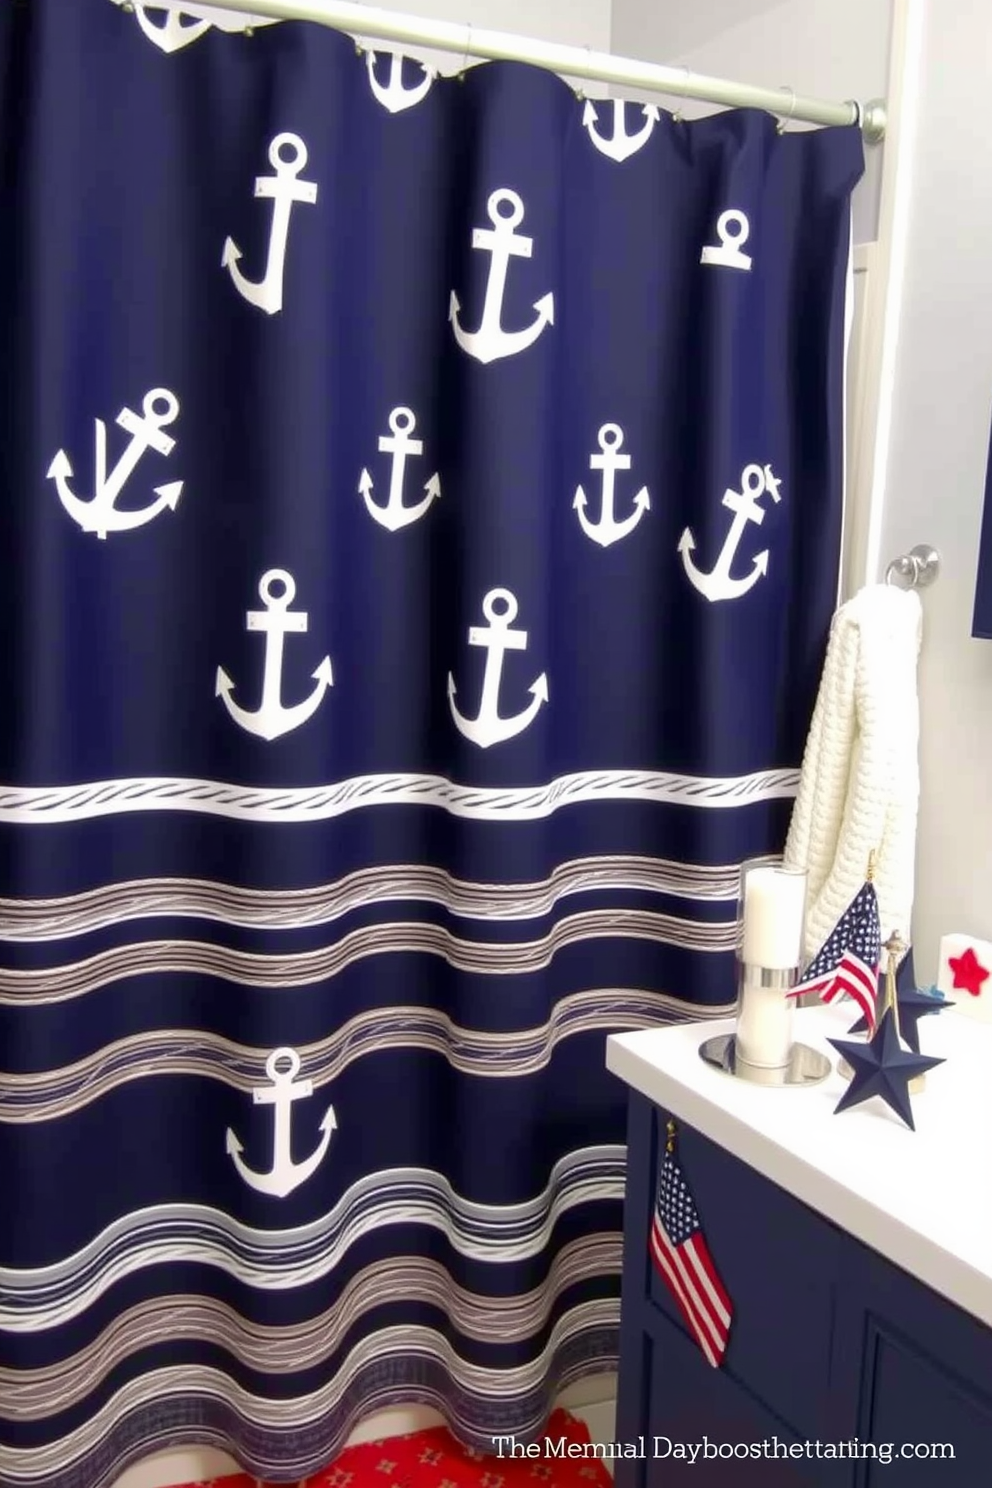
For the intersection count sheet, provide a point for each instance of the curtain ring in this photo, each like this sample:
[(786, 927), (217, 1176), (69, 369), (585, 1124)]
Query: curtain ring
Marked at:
[(783, 124), (468, 50), (677, 115)]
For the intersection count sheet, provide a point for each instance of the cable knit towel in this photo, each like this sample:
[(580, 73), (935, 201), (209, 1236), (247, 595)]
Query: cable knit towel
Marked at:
[(860, 783)]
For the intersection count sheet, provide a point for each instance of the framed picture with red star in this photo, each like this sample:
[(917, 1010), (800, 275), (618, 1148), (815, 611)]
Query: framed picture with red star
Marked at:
[(965, 974)]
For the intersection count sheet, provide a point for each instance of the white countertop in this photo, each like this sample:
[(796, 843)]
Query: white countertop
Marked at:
[(922, 1199)]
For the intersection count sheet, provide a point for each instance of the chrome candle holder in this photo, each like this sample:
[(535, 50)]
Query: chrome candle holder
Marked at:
[(770, 918)]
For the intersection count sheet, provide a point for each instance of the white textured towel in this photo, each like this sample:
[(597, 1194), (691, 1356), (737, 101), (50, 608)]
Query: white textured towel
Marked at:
[(860, 783)]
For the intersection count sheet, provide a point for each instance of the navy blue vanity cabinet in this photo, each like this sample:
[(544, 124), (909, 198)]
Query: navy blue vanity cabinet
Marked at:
[(829, 1343), (911, 1367)]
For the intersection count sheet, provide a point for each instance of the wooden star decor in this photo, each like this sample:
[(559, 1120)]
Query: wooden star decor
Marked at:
[(882, 1067)]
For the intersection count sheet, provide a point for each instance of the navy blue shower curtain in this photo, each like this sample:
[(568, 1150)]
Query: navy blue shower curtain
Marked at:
[(420, 509)]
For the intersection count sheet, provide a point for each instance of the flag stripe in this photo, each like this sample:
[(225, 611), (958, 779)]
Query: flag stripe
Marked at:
[(701, 1318), (698, 1303), (706, 1271), (675, 1287), (858, 981)]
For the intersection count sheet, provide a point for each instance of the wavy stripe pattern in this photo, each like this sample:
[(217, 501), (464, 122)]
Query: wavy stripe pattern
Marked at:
[(414, 1345), (46, 1095), (29, 920), (276, 1260), (185, 1318), (38, 805), (39, 988)]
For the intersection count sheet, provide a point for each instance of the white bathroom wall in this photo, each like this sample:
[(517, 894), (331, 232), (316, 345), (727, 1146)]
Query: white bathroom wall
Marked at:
[(942, 399)]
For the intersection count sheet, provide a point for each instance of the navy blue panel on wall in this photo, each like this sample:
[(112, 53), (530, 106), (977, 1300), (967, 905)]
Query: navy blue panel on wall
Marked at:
[(982, 623)]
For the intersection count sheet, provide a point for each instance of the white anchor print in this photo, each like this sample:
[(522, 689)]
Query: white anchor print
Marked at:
[(170, 34), (272, 719), (733, 230), (284, 188), (490, 341), (500, 609), (718, 584), (282, 1067), (608, 530), (620, 145), (394, 514), (159, 408), (394, 96)]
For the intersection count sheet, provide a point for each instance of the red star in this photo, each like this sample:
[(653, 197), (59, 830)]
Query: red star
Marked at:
[(968, 971)]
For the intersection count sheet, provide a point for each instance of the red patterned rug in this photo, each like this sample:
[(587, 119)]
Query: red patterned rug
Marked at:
[(433, 1459)]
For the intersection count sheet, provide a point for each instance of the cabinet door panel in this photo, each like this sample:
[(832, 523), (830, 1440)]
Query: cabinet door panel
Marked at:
[(919, 1372), (691, 1403)]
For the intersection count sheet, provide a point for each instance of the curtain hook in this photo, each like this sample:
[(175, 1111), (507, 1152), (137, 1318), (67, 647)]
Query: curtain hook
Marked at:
[(783, 124), (359, 44), (468, 51), (677, 115), (580, 91)]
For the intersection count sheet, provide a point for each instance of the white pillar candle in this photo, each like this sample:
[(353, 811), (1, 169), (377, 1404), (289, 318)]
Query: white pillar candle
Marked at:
[(774, 903), (764, 1026)]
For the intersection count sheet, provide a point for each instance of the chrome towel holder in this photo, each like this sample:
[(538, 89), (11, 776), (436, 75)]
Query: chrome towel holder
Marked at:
[(916, 569)]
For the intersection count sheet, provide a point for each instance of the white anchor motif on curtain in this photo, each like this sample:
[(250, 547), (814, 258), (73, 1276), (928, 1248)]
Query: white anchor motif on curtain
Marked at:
[(718, 583), (733, 230), (394, 514), (271, 719), (159, 408), (490, 341), (620, 145), (288, 156), (608, 530), (392, 95), (170, 34), (282, 1067), (500, 609)]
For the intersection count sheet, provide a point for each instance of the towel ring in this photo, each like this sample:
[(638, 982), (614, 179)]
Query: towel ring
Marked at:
[(918, 568)]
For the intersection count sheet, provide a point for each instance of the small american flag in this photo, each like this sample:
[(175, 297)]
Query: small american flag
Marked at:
[(683, 1260), (849, 957)]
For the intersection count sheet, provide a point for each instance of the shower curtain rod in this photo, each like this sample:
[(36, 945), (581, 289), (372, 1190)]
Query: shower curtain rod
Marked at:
[(472, 41)]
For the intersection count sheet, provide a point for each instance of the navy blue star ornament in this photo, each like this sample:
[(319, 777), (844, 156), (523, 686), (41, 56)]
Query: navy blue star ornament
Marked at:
[(882, 1067), (913, 1005)]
